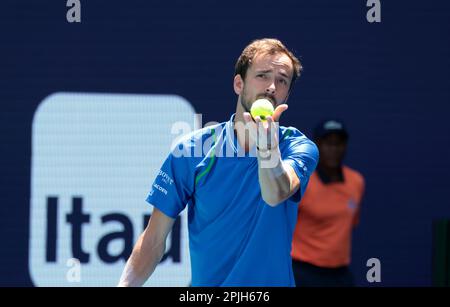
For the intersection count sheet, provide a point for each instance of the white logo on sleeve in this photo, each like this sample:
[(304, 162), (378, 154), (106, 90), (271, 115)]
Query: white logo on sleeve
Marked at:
[(159, 188)]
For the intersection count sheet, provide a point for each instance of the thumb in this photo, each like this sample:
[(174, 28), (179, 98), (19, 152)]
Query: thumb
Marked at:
[(278, 111)]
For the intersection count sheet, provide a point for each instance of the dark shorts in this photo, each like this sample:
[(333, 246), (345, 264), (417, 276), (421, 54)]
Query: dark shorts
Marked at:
[(308, 275)]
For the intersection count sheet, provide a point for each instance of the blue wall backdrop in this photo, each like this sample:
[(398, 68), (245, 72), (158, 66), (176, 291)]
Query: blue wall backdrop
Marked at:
[(389, 81)]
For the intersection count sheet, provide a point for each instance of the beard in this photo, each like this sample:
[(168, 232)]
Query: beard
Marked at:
[(247, 102)]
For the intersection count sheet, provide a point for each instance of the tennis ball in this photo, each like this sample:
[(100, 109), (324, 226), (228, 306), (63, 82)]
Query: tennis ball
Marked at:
[(262, 108)]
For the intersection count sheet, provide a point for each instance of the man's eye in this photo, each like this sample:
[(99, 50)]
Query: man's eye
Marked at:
[(261, 75)]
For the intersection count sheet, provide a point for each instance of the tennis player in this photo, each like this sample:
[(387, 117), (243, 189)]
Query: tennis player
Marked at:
[(241, 191)]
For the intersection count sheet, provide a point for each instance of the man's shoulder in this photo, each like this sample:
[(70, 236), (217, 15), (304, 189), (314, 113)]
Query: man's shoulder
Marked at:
[(293, 135), (188, 142)]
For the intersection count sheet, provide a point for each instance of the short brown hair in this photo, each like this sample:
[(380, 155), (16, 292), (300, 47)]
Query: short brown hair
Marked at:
[(265, 46)]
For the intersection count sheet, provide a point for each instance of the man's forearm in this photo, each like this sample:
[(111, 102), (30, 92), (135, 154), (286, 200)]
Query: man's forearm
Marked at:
[(274, 178), (143, 260)]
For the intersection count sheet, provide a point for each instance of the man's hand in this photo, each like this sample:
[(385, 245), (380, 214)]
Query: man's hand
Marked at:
[(264, 133)]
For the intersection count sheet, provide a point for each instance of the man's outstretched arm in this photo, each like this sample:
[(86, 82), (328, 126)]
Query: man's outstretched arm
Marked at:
[(148, 251), (277, 179)]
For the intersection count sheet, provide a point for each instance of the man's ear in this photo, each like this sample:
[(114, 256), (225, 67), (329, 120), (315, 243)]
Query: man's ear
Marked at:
[(238, 84)]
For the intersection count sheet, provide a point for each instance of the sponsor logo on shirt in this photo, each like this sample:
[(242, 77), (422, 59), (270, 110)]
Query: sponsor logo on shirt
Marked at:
[(160, 188), (165, 178)]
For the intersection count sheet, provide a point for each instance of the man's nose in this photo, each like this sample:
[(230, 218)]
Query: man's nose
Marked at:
[(271, 88)]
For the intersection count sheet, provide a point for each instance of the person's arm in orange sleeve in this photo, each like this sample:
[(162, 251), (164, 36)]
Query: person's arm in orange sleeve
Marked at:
[(360, 200)]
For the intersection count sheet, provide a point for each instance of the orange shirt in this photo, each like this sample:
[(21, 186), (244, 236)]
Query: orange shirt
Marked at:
[(326, 216)]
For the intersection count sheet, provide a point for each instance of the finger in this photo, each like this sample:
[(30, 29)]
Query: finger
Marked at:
[(262, 124), (278, 111), (273, 131), (247, 117), (270, 122)]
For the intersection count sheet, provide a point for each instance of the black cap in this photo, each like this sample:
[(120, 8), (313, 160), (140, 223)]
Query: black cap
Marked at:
[(330, 126)]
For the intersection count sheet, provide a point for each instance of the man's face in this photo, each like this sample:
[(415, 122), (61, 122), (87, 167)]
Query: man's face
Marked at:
[(332, 149), (268, 76)]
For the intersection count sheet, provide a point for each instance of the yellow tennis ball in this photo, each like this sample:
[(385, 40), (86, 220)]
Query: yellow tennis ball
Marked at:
[(262, 108)]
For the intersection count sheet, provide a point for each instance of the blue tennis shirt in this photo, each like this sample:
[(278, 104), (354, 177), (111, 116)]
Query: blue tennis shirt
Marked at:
[(235, 238)]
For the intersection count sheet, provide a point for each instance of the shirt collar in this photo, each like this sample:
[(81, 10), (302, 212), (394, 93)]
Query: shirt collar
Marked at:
[(232, 139), (229, 131)]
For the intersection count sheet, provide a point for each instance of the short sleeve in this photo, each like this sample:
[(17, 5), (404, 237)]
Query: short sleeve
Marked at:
[(360, 196), (302, 155), (173, 186)]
